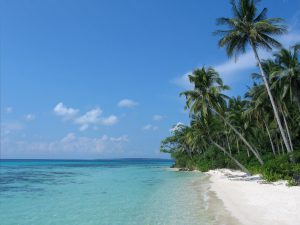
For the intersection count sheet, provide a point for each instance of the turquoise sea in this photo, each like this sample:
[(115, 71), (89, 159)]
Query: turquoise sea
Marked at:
[(103, 192)]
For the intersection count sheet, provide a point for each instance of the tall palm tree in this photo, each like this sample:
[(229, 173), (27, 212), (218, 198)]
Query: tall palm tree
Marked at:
[(207, 99), (250, 27), (282, 74)]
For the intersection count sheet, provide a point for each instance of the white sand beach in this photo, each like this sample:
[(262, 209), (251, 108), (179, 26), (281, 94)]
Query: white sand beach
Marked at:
[(253, 202)]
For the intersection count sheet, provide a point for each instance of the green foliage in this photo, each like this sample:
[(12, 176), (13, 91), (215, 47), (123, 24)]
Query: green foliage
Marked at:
[(212, 159), (278, 168), (243, 133)]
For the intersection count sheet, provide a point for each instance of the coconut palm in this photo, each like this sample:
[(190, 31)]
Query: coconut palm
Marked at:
[(211, 133), (280, 78), (207, 99), (177, 142), (257, 110), (286, 74), (206, 94), (250, 27)]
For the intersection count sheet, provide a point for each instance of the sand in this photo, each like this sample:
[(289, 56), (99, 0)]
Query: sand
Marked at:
[(252, 202)]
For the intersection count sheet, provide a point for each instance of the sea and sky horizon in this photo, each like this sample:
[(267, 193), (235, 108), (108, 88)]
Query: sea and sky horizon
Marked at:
[(102, 192), (101, 79), (90, 88), (96, 159)]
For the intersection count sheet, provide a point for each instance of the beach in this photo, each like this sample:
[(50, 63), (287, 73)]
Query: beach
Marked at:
[(138, 191), (252, 201)]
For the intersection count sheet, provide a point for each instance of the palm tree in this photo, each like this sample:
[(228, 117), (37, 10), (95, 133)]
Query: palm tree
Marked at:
[(206, 95), (286, 74), (206, 99), (283, 82), (177, 142), (250, 27), (259, 111), (208, 133)]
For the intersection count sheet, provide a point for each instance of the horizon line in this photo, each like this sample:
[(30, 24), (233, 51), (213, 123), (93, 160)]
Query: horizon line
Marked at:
[(61, 159)]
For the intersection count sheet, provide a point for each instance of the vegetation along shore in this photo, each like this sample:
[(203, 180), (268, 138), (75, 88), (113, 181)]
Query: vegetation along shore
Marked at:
[(258, 132)]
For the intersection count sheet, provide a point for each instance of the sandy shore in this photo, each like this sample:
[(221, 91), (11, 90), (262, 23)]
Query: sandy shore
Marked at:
[(255, 203)]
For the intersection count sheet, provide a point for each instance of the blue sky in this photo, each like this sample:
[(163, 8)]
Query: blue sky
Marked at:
[(101, 79)]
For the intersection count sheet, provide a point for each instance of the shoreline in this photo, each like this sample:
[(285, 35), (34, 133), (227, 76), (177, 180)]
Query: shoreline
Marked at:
[(252, 201)]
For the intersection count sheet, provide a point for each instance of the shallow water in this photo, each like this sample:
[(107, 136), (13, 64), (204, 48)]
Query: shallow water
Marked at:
[(102, 192)]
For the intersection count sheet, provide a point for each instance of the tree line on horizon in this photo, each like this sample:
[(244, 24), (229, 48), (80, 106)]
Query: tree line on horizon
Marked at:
[(258, 132)]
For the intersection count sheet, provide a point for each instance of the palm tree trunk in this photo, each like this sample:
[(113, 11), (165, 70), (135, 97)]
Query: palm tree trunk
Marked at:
[(228, 144), (248, 154), (238, 146), (286, 143), (232, 158), (277, 144), (288, 132), (187, 149), (270, 138), (282, 149), (256, 154), (286, 127)]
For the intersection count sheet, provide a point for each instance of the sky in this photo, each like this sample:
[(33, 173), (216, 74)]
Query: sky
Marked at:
[(92, 79)]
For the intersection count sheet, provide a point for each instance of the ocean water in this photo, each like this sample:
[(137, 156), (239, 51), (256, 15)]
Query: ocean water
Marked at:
[(102, 192)]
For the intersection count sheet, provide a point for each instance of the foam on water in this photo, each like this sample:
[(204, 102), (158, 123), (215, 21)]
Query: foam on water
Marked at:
[(104, 192)]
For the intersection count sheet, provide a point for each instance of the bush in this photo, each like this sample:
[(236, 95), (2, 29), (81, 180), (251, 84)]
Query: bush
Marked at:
[(275, 168)]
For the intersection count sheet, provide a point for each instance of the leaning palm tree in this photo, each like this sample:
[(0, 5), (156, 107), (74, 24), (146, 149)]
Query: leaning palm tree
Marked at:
[(250, 27), (207, 99), (284, 77), (208, 133)]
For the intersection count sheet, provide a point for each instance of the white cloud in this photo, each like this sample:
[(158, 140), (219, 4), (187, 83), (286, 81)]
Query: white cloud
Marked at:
[(67, 113), (29, 117), (123, 138), (127, 103), (157, 117), (183, 81), (8, 109), (150, 127), (245, 61), (92, 118), (227, 69), (11, 127), (111, 120), (83, 127), (69, 137), (69, 145)]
